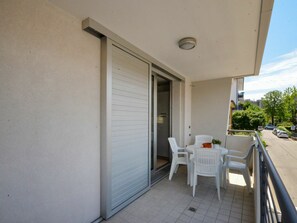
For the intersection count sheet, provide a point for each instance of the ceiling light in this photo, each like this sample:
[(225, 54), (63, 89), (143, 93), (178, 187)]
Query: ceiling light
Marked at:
[(187, 43)]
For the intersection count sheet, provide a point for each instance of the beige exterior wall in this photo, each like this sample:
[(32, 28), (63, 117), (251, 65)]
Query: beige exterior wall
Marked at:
[(210, 107), (181, 111), (177, 110), (234, 90), (187, 112), (238, 142), (49, 115)]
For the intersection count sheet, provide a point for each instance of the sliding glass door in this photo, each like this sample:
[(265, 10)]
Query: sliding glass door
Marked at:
[(161, 124)]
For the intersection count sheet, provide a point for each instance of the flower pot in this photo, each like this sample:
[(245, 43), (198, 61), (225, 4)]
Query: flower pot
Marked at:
[(216, 146)]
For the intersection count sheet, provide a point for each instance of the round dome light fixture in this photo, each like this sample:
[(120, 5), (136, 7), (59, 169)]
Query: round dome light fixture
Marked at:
[(187, 43)]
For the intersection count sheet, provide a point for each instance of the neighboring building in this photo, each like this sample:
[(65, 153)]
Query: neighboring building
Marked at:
[(241, 96), (237, 97), (237, 90), (86, 109), (255, 102)]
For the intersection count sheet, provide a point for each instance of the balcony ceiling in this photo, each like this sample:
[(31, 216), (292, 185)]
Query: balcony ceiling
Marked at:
[(227, 31)]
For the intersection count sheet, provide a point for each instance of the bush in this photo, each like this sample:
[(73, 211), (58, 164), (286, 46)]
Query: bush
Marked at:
[(248, 119), (264, 143), (216, 141), (286, 125), (242, 133)]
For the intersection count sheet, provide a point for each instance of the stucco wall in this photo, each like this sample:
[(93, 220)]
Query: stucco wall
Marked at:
[(187, 112), (238, 142), (49, 115), (176, 109), (210, 107), (234, 90)]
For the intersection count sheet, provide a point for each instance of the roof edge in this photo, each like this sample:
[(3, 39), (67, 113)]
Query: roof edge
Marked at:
[(264, 22)]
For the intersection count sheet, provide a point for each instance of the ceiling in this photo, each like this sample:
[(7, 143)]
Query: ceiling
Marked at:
[(231, 34)]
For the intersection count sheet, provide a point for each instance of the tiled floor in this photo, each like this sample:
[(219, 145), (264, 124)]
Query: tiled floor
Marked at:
[(169, 201)]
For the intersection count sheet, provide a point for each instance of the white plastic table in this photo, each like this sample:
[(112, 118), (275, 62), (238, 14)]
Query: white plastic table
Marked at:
[(190, 149)]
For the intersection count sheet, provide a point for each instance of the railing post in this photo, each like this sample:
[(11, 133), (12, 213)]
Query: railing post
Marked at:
[(263, 185)]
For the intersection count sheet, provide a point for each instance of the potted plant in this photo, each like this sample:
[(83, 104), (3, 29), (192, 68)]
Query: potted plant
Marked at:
[(216, 143)]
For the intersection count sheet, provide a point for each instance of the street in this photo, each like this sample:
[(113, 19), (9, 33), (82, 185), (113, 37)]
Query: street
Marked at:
[(283, 153)]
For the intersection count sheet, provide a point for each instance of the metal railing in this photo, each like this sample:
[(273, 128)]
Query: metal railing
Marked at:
[(275, 203)]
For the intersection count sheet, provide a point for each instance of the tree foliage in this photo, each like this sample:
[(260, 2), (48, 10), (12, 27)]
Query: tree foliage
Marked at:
[(278, 107), (249, 118), (273, 105), (290, 104), (248, 105)]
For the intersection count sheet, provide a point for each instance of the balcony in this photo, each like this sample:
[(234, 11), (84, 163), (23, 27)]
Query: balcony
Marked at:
[(171, 201), (68, 134)]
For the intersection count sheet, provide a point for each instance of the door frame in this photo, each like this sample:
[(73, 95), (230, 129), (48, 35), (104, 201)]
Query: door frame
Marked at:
[(155, 73)]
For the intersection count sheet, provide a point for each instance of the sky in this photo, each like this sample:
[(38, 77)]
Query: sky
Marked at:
[(279, 64)]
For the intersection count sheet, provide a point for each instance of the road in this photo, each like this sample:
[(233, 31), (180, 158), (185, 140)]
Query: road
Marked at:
[(283, 153)]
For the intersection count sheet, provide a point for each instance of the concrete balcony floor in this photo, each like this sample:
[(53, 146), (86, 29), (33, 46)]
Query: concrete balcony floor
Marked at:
[(169, 201)]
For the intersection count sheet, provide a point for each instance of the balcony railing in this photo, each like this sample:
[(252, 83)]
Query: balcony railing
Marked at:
[(272, 201)]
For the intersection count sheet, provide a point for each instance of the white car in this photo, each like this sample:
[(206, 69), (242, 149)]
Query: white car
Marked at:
[(282, 134), (274, 131)]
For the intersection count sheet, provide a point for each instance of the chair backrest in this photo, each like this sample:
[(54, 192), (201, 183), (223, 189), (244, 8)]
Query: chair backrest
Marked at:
[(249, 153), (173, 145), (207, 161), (200, 139)]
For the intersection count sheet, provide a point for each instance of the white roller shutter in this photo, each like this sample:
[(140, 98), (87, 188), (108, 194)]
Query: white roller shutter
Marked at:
[(125, 147), (130, 110)]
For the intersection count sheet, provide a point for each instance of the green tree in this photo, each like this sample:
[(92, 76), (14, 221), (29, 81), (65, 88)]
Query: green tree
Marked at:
[(249, 118), (256, 118), (248, 105), (240, 120), (290, 103), (273, 105)]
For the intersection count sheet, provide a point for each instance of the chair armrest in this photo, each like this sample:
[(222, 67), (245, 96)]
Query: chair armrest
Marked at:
[(234, 157), (230, 152)]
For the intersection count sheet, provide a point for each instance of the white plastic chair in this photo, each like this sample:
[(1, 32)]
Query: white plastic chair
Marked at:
[(179, 156), (207, 163), (242, 166), (200, 139)]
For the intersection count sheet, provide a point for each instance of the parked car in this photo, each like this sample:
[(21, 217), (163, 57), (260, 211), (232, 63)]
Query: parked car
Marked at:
[(260, 128), (282, 134), (275, 131), (270, 127)]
